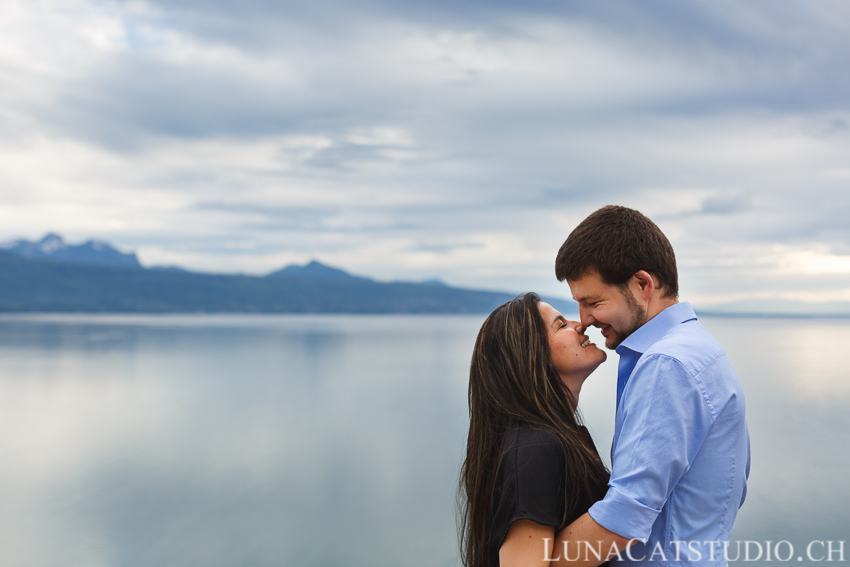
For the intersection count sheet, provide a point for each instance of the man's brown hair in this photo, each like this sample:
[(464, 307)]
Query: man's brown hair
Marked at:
[(617, 242)]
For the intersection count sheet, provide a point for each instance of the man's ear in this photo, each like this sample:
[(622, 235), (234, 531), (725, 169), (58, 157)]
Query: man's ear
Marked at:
[(643, 284)]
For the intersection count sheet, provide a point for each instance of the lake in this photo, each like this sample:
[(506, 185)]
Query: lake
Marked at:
[(323, 440)]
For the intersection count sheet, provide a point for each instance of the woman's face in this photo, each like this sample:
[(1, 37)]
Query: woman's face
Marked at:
[(573, 355)]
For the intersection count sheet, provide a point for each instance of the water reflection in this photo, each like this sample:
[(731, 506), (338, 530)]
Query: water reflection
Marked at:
[(261, 441), (327, 440), (797, 400)]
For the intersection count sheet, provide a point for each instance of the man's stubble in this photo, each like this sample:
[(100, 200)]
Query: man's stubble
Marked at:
[(637, 317)]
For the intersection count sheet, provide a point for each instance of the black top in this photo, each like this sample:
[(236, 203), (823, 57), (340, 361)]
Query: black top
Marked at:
[(530, 485)]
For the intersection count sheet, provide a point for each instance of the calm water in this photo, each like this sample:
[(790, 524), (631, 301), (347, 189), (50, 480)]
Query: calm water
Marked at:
[(320, 441)]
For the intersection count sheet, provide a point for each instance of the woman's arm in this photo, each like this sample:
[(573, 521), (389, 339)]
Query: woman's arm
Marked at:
[(525, 545), (589, 542), (528, 544)]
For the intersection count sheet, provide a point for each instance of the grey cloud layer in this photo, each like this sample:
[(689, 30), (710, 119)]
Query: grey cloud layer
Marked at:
[(281, 67), (431, 138)]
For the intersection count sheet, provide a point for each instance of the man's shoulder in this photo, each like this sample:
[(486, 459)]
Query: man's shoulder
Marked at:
[(690, 344), (688, 359)]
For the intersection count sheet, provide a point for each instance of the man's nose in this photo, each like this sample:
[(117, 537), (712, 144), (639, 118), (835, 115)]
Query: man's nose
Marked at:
[(586, 318)]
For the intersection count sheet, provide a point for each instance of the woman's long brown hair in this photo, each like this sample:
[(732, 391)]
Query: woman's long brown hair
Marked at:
[(513, 384)]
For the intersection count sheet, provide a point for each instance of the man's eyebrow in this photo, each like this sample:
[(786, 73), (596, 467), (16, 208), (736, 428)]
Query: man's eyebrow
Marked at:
[(586, 298)]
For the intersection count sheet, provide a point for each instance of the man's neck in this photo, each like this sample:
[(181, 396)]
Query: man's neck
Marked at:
[(657, 306)]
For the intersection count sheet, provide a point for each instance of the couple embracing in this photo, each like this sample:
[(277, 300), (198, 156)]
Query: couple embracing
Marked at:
[(535, 491)]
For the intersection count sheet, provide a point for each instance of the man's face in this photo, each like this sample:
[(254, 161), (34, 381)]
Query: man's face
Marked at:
[(614, 310)]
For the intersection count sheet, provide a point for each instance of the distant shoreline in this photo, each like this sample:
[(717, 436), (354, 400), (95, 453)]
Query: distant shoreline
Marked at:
[(744, 315), (48, 315)]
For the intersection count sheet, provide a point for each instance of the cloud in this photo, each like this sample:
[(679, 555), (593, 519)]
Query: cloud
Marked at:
[(417, 140)]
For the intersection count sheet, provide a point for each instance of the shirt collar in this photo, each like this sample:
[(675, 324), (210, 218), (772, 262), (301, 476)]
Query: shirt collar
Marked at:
[(652, 331)]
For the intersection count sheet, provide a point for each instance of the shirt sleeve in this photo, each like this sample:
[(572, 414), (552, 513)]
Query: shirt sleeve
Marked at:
[(747, 471), (530, 483), (666, 417)]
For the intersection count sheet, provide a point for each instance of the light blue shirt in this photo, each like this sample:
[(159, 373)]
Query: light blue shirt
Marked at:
[(681, 451)]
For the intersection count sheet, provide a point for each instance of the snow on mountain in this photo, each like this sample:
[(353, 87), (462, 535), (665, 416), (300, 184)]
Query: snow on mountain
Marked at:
[(52, 248)]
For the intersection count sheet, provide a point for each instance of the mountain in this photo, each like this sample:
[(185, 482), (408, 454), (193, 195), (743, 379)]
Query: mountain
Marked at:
[(50, 275), (34, 277), (312, 270), (436, 282), (27, 285), (52, 248)]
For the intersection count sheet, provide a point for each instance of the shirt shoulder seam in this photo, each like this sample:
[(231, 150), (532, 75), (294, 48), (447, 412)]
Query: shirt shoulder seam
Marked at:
[(694, 374)]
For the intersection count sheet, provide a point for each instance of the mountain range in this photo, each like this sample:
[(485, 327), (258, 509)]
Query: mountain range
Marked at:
[(53, 276), (52, 248)]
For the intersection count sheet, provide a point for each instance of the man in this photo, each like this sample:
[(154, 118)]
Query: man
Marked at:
[(681, 453)]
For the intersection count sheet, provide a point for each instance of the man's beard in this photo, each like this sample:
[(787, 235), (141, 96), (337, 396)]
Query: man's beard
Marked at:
[(637, 317)]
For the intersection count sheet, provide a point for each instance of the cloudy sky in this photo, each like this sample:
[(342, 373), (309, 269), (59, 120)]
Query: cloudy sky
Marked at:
[(414, 140)]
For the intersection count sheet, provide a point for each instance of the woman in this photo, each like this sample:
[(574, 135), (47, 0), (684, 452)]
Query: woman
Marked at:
[(530, 467)]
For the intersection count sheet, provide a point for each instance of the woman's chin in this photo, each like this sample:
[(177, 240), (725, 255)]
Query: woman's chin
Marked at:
[(595, 346), (601, 356)]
